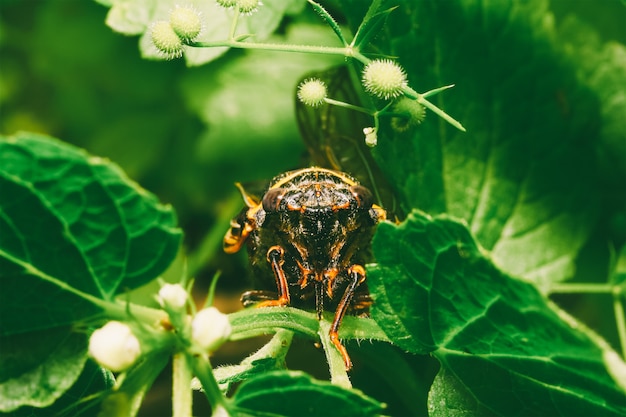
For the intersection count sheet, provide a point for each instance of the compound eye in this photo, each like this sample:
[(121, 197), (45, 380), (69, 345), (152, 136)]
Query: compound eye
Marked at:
[(362, 195), (272, 199)]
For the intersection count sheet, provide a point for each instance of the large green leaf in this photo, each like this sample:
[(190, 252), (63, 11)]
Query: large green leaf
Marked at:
[(74, 233), (523, 176), (73, 230), (37, 368), (436, 291), (290, 393)]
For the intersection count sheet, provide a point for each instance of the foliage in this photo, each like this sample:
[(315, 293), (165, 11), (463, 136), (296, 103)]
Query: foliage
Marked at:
[(492, 224)]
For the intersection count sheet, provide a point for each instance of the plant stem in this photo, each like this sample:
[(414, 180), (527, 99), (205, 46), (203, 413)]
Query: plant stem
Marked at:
[(202, 370), (336, 366), (327, 50), (181, 387), (233, 25), (123, 309), (440, 113), (349, 106)]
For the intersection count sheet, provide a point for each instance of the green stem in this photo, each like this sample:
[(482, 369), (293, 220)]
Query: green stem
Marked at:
[(349, 106), (336, 366), (439, 112), (253, 322), (327, 50), (121, 310), (181, 387), (277, 348), (202, 370), (233, 25)]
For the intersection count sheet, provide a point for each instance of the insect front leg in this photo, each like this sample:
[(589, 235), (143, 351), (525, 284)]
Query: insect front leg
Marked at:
[(276, 259), (357, 276)]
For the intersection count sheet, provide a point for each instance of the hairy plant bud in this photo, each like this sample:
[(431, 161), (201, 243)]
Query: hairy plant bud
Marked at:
[(312, 92), (384, 78), (248, 6), (186, 23), (410, 114), (166, 40)]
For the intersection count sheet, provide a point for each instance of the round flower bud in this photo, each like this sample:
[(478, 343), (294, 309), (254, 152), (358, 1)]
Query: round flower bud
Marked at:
[(166, 40), (384, 78), (410, 114), (210, 328), (114, 346), (371, 137), (186, 23), (248, 6), (312, 92), (173, 297), (227, 3)]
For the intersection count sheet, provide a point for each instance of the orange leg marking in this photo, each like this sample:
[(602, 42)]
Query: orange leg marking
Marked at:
[(275, 256), (357, 274)]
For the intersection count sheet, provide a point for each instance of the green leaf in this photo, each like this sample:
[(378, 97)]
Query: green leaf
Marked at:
[(524, 174), (134, 17), (37, 368), (330, 21), (125, 400), (373, 21), (449, 398), (290, 393), (269, 357), (436, 291), (82, 398), (74, 232)]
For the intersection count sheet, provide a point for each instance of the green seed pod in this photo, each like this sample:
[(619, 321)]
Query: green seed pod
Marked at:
[(166, 40), (312, 92), (186, 23), (410, 114), (248, 6), (384, 78), (227, 3)]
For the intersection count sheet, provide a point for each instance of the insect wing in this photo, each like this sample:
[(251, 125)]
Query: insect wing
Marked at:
[(334, 135)]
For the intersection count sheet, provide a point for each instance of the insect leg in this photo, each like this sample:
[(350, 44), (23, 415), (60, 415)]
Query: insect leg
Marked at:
[(252, 297), (357, 276), (275, 256)]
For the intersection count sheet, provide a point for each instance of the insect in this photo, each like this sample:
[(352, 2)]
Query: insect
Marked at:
[(311, 232), (334, 136)]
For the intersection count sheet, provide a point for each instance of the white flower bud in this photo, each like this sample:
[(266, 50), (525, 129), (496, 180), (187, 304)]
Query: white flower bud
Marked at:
[(173, 297), (210, 328), (114, 346), (371, 136)]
